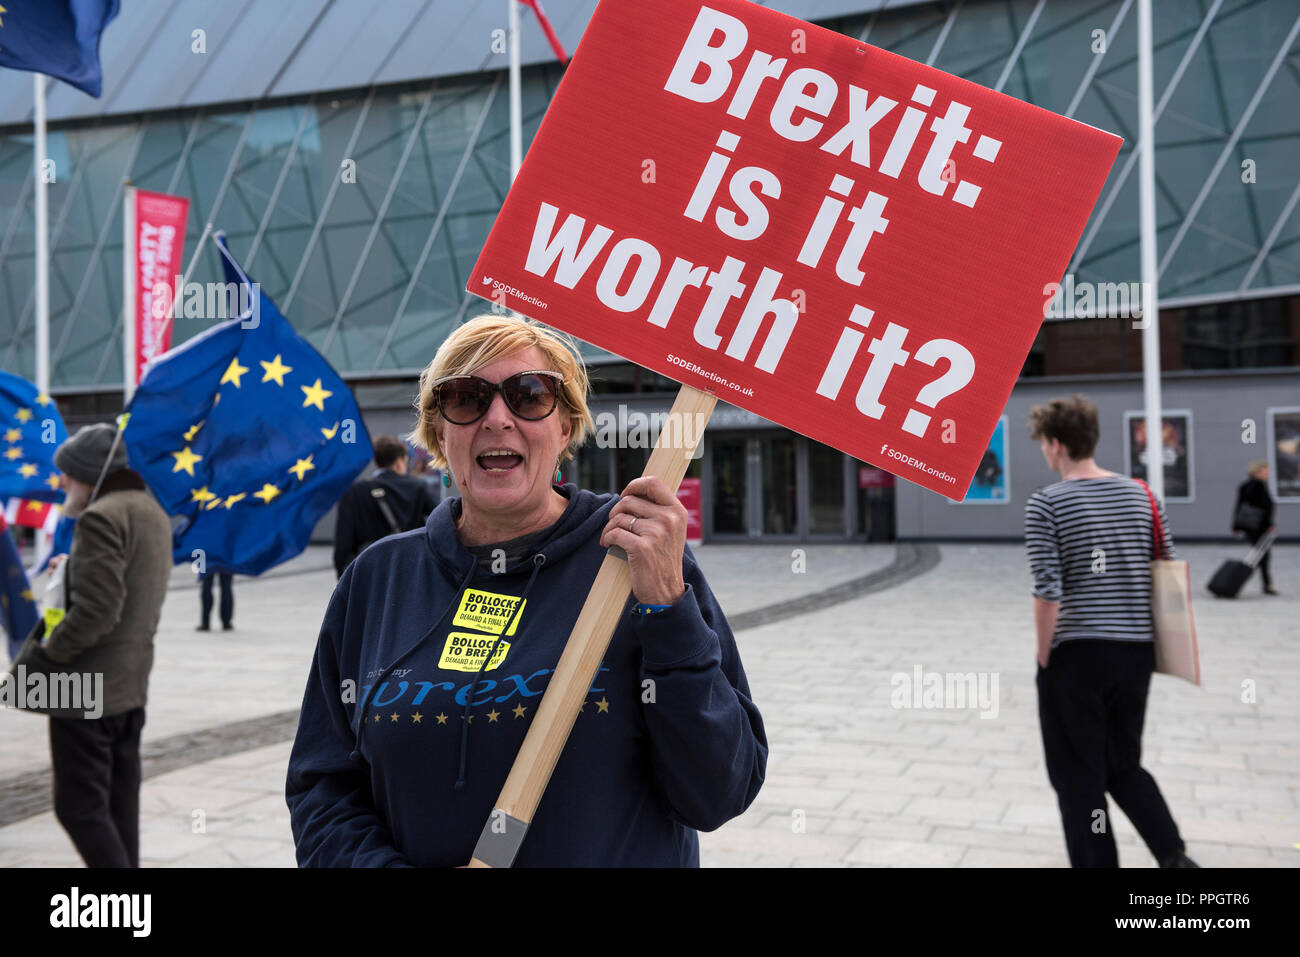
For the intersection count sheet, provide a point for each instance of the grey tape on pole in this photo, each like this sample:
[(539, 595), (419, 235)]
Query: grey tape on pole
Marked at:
[(616, 551), (500, 839)]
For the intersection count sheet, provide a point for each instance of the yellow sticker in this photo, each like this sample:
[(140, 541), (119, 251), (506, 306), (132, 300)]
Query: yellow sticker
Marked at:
[(487, 611), (465, 651)]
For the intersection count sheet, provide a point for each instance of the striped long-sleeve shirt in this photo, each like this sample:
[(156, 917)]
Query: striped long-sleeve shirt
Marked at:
[(1090, 542)]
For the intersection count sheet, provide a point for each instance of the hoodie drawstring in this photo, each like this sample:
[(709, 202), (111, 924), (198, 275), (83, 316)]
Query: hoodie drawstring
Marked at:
[(361, 720), (538, 561)]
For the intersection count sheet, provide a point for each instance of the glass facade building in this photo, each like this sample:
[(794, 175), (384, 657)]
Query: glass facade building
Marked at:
[(361, 210)]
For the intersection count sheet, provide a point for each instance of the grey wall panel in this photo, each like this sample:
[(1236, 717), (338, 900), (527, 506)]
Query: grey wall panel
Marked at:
[(347, 49), (1218, 404)]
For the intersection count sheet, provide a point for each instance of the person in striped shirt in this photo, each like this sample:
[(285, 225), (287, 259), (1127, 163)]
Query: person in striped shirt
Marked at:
[(1090, 539)]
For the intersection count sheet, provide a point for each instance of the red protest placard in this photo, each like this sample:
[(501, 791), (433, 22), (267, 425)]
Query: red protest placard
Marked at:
[(843, 241)]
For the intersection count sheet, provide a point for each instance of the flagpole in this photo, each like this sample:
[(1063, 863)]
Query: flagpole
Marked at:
[(42, 246), (1150, 274), (129, 253), (516, 106)]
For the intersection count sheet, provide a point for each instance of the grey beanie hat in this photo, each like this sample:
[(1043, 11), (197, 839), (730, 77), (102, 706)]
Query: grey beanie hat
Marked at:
[(82, 456)]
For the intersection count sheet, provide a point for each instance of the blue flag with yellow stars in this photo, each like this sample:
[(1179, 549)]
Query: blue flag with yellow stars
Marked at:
[(17, 603), (59, 38), (32, 430), (248, 433)]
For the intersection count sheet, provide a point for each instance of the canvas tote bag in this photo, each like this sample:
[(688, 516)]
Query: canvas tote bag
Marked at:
[(1171, 608)]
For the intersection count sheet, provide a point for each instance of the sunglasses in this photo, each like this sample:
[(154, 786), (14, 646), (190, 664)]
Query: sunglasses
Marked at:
[(464, 399)]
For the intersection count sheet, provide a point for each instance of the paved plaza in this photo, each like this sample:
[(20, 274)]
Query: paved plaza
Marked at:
[(832, 638)]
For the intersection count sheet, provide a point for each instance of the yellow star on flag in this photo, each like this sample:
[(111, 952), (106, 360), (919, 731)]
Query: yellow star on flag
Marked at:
[(185, 459), (233, 372), (14, 453), (216, 500), (275, 370), (267, 492), (302, 467), (28, 470), (192, 431), (330, 433), (42, 399), (315, 395), (442, 718), (2, 10), (52, 481), (602, 705), (493, 715), (232, 499), (520, 711), (33, 506), (26, 593), (25, 415), (415, 718), (201, 495), (13, 435)]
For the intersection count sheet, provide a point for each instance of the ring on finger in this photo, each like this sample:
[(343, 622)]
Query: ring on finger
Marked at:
[(633, 522)]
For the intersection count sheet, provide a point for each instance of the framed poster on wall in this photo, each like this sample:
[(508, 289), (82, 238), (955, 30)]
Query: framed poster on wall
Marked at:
[(992, 482), (1179, 465), (1284, 453)]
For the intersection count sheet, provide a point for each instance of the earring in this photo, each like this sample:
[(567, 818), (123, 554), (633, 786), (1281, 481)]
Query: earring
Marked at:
[(446, 480), (557, 475)]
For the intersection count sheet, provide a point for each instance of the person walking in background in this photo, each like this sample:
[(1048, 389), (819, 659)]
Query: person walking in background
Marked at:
[(1089, 539), (388, 502), (227, 580), (1253, 514), (116, 578)]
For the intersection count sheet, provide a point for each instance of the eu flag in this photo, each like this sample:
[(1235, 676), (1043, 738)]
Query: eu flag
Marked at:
[(248, 433), (17, 603), (59, 38), (32, 430)]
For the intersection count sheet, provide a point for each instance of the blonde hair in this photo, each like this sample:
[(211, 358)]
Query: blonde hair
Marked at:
[(1255, 466), (486, 339)]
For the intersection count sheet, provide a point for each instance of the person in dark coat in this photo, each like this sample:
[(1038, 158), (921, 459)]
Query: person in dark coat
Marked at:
[(362, 518), (116, 579), (227, 580), (1256, 520)]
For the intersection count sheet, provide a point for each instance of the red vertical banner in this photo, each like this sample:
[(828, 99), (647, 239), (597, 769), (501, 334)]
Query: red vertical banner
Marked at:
[(689, 494), (159, 239)]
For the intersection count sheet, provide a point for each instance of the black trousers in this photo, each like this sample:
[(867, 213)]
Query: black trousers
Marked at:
[(227, 597), (1092, 700), (97, 785), (1263, 562)]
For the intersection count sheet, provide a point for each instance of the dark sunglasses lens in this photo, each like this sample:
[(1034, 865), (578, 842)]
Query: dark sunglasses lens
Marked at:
[(531, 396), (463, 400)]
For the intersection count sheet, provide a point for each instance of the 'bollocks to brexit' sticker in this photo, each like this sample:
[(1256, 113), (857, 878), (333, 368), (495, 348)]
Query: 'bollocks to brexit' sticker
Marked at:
[(465, 651), (487, 611)]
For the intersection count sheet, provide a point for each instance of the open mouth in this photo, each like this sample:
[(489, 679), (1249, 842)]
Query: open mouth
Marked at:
[(499, 461)]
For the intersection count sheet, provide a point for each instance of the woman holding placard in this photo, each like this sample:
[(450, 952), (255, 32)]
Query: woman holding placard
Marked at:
[(438, 645)]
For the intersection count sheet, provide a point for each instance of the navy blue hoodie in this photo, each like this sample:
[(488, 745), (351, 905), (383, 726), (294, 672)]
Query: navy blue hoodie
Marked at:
[(667, 743)]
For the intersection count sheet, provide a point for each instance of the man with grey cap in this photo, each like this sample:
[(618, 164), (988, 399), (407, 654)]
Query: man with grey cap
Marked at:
[(115, 581)]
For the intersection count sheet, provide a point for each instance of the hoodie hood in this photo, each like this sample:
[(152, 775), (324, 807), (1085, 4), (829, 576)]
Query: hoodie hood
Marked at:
[(587, 513)]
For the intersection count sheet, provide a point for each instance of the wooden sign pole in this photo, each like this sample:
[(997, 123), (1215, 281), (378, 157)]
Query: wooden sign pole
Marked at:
[(508, 823)]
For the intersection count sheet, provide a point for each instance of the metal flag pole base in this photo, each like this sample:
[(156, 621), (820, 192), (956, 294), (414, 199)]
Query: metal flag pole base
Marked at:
[(508, 823)]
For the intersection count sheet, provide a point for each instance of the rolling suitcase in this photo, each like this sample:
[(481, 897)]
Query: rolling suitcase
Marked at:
[(1232, 574)]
